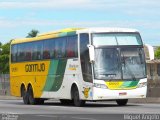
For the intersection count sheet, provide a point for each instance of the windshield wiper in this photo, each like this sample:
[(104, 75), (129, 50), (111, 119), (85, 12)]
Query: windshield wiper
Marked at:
[(108, 74), (128, 68), (130, 72)]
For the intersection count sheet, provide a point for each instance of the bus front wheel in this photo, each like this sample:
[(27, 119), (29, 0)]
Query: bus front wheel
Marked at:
[(122, 102), (76, 99)]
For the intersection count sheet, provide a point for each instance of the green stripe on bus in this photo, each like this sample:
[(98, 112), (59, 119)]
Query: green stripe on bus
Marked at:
[(55, 75), (66, 34), (59, 75), (128, 84), (51, 75)]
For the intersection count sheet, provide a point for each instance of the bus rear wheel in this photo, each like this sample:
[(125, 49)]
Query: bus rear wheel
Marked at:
[(24, 95), (76, 99), (32, 100), (122, 102)]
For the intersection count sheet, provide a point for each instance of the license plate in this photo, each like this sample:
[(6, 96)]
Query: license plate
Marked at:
[(122, 93)]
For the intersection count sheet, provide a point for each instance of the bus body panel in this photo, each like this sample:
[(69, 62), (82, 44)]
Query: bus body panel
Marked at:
[(28, 73), (42, 82), (72, 76)]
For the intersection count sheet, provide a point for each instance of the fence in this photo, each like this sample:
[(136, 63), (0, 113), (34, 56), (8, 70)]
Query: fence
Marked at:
[(153, 86), (153, 74), (4, 84)]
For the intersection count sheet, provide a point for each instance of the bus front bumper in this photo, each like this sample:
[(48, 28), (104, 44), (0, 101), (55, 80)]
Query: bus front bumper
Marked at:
[(107, 94)]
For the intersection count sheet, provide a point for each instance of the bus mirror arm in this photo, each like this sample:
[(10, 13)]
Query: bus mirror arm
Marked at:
[(91, 53)]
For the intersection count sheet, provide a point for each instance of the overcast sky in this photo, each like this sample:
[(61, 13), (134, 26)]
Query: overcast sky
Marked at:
[(18, 17)]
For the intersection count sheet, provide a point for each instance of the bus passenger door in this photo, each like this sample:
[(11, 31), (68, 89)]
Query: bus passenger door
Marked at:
[(85, 66)]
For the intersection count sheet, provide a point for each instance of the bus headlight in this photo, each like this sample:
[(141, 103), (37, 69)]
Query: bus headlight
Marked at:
[(97, 85), (143, 84)]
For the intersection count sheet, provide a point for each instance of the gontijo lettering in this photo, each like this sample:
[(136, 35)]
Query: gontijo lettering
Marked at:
[(35, 67)]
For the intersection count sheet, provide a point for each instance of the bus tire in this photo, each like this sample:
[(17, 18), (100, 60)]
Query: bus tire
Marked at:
[(32, 100), (24, 95), (76, 99), (122, 102), (66, 102)]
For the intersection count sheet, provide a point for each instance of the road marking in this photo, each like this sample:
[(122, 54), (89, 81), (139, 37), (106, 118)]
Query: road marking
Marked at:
[(83, 118), (9, 113), (47, 116)]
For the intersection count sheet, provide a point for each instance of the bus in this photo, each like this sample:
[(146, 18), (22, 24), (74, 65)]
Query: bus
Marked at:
[(76, 65)]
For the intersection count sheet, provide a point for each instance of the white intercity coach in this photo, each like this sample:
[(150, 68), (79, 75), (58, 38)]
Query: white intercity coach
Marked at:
[(77, 65)]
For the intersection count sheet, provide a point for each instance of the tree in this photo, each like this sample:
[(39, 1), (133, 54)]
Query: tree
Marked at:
[(32, 33), (157, 53), (5, 52), (0, 47), (4, 58)]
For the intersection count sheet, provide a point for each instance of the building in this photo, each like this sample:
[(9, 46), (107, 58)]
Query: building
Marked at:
[(153, 72)]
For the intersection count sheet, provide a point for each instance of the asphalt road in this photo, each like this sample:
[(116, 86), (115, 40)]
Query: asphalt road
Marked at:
[(53, 110)]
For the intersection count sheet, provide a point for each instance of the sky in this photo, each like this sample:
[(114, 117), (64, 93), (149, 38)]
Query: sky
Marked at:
[(19, 17)]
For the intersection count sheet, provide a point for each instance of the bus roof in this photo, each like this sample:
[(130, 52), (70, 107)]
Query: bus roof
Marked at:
[(106, 29), (70, 31), (54, 34)]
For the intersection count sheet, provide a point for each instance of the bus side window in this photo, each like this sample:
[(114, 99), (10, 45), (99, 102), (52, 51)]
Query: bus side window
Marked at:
[(72, 49), (14, 53), (21, 53), (28, 53), (46, 54), (60, 47), (46, 49), (37, 50)]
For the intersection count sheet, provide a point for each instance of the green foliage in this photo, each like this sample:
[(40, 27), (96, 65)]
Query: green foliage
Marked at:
[(157, 53), (32, 33), (4, 58), (5, 53)]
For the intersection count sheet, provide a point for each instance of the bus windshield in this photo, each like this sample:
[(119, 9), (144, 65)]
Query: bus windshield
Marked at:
[(107, 64), (119, 63), (133, 63), (110, 39)]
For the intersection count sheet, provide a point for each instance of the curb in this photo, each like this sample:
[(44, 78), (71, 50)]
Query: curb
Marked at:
[(145, 100), (9, 98)]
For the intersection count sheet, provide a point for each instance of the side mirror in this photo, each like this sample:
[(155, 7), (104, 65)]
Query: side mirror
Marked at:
[(91, 52), (149, 52)]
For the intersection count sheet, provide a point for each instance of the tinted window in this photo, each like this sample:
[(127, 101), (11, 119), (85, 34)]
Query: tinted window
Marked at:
[(37, 50), (48, 51), (21, 53), (72, 49), (60, 47), (28, 51), (14, 53)]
